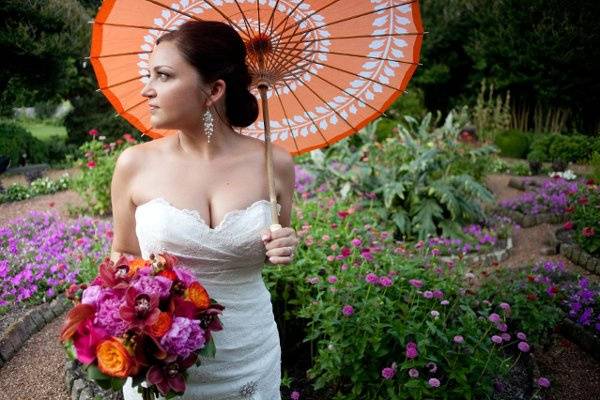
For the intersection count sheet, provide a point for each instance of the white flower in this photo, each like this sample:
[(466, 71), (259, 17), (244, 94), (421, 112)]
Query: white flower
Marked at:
[(566, 175)]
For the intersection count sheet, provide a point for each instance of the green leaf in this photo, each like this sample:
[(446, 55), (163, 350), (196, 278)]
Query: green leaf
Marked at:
[(209, 349)]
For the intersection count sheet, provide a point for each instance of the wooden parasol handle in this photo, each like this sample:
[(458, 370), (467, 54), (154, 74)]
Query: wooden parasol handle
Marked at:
[(262, 88)]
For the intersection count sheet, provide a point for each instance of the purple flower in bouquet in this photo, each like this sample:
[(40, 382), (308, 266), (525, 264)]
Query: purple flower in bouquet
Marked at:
[(149, 285), (169, 376), (184, 337), (91, 295), (107, 313)]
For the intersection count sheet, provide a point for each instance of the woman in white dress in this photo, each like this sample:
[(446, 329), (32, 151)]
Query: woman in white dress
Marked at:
[(201, 195)]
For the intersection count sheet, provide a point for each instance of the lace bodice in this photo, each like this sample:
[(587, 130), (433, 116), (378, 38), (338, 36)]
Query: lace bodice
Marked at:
[(227, 260)]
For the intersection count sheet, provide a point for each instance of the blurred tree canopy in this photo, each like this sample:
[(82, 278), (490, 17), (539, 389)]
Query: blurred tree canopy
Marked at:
[(44, 42), (545, 52)]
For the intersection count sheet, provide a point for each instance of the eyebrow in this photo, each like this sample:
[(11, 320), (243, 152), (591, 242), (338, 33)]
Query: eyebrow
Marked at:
[(161, 66)]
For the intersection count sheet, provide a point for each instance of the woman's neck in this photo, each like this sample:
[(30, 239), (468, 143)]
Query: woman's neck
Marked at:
[(194, 142)]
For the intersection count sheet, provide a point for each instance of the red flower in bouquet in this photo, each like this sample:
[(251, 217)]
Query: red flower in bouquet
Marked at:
[(113, 275), (170, 374), (568, 225), (140, 309)]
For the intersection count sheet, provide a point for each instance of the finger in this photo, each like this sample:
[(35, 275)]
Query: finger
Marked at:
[(280, 260), (283, 242), (283, 232), (281, 251), (265, 235)]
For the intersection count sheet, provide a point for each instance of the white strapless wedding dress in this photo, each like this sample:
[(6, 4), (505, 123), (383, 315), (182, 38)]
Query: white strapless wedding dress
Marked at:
[(227, 260)]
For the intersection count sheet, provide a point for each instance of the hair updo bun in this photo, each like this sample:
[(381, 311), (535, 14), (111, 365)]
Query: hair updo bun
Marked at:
[(217, 51)]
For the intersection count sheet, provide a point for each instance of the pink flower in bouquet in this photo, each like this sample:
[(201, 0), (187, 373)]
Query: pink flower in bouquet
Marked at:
[(154, 285), (140, 309), (107, 313), (91, 294), (85, 340), (184, 337)]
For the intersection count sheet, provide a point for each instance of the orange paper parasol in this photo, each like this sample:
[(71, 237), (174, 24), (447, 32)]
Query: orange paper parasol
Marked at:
[(322, 69)]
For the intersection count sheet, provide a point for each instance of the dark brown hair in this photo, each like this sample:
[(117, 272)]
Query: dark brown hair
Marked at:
[(217, 51)]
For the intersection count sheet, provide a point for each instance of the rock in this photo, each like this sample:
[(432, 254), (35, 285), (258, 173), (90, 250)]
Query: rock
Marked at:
[(85, 394), (78, 386), (548, 251)]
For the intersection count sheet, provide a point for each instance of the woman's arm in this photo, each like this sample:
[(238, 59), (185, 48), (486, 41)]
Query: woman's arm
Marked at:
[(123, 208), (285, 180)]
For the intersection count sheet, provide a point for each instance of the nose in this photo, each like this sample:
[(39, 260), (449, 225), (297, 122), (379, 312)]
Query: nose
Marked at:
[(148, 90)]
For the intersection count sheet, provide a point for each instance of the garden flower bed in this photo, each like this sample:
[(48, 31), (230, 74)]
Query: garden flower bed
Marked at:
[(40, 257), (547, 203)]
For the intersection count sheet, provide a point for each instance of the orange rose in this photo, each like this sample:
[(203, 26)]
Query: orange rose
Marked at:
[(161, 326), (136, 264), (198, 295), (114, 359)]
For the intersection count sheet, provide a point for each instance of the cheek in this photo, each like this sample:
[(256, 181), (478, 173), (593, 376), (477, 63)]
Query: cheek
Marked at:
[(180, 103)]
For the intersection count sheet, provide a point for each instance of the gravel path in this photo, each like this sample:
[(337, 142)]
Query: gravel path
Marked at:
[(37, 371), (57, 201)]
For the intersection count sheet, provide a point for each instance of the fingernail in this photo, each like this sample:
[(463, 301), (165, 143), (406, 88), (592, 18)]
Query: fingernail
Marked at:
[(265, 237)]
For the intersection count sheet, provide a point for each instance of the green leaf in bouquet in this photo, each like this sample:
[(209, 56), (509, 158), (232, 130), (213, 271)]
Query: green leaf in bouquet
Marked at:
[(116, 384), (95, 374), (70, 349), (209, 350)]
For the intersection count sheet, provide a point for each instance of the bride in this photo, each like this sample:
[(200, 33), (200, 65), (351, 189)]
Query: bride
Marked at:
[(200, 194)]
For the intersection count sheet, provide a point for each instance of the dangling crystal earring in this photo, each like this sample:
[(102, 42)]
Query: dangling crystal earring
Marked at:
[(208, 124)]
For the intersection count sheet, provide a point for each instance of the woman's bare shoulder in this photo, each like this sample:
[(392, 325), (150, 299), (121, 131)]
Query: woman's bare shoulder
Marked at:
[(133, 157)]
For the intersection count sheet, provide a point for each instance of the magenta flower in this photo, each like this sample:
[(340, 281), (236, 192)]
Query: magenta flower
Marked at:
[(438, 294), (521, 336), (543, 382), (505, 306), (295, 395), (140, 309), (459, 339), (416, 283), (494, 318), (388, 373), (428, 294), (347, 310), (434, 382), (523, 346), (169, 376), (332, 279), (411, 350), (371, 278), (356, 242), (413, 373), (506, 336), (502, 327), (385, 281), (496, 339), (183, 338)]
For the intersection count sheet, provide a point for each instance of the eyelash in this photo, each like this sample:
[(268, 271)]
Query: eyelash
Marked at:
[(159, 74)]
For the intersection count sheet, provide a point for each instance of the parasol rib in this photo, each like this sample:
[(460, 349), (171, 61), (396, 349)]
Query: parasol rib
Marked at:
[(134, 106), (118, 54), (348, 18), (307, 113), (325, 102), (286, 118), (360, 36), (381, 113), (118, 84), (346, 71), (134, 26), (248, 29)]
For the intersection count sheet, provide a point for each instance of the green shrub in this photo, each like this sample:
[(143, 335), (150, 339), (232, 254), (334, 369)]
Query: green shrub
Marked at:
[(513, 143), (94, 112), (97, 167), (571, 148), (595, 166), (18, 192), (16, 140)]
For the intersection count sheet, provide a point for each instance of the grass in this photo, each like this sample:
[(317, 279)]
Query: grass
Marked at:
[(43, 130)]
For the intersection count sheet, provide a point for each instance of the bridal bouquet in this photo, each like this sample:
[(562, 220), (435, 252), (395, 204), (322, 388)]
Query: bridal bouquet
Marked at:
[(145, 319)]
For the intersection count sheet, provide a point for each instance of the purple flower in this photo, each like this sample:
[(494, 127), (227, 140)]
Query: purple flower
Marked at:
[(502, 326), (458, 339), (432, 367), (428, 294), (494, 318), (438, 294), (411, 350), (434, 382), (385, 281), (416, 283), (505, 306), (521, 336), (371, 278), (295, 395), (184, 337), (444, 302), (332, 279), (347, 310), (543, 382), (506, 336), (413, 373), (496, 339), (388, 373), (523, 346), (356, 242), (90, 295)]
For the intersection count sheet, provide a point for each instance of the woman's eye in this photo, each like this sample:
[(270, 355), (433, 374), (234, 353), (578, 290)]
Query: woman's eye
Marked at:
[(163, 77)]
